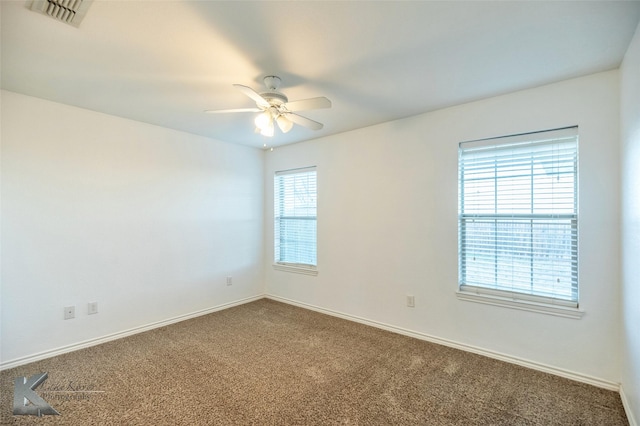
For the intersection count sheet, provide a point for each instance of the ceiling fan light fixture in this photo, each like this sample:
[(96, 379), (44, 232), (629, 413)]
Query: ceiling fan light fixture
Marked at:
[(273, 107), (268, 131), (263, 120), (284, 123)]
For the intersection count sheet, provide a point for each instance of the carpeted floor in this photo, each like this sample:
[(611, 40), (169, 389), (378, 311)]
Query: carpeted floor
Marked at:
[(274, 364)]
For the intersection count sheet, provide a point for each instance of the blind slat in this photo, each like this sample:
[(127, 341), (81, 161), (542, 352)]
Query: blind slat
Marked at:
[(517, 222), (295, 229)]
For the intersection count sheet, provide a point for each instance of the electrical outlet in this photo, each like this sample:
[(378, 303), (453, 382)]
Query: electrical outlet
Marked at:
[(69, 312), (229, 280), (411, 301), (93, 308)]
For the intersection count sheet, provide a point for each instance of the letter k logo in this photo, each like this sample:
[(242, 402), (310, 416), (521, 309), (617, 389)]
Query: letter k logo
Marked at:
[(23, 393)]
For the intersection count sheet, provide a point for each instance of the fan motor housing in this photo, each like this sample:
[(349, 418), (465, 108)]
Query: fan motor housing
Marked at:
[(275, 98)]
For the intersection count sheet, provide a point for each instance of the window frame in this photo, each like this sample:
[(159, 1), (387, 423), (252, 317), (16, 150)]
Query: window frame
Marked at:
[(499, 296), (296, 267)]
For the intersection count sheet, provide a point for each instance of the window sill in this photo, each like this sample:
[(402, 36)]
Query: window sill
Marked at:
[(524, 305), (305, 270)]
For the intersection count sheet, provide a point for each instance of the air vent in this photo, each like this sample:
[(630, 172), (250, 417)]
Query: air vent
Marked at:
[(67, 11)]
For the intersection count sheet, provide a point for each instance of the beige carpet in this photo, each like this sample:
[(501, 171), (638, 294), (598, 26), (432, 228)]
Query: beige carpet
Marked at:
[(270, 363)]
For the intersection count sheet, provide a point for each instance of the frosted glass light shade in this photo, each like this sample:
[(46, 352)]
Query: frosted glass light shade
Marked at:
[(268, 130), (284, 123), (263, 120)]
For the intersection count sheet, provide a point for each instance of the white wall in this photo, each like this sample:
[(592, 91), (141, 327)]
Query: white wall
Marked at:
[(387, 226), (148, 222), (630, 133), (144, 220)]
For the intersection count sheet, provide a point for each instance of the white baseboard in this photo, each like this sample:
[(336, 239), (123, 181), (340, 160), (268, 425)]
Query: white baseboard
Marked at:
[(118, 335), (468, 348), (627, 408), (418, 335)]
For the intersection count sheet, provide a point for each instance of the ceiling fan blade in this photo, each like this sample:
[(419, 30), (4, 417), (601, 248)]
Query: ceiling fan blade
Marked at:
[(224, 111), (304, 121), (307, 104), (260, 101)]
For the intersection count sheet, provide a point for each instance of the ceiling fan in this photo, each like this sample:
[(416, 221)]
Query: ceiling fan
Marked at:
[(274, 107)]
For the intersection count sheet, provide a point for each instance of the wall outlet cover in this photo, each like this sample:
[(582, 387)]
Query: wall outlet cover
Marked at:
[(69, 312), (411, 301)]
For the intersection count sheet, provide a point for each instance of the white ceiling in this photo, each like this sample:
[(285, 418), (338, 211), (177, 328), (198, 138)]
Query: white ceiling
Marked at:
[(165, 62)]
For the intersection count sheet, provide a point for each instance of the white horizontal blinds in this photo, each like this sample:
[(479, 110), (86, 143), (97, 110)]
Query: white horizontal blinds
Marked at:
[(518, 221), (295, 217)]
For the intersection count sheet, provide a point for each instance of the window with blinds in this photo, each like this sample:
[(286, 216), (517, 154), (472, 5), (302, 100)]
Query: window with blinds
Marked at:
[(295, 194), (518, 216)]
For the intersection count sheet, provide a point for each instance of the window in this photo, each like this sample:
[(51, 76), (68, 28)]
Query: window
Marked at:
[(518, 218), (295, 195)]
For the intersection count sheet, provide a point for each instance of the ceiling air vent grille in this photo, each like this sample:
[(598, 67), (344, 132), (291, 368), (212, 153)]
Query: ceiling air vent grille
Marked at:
[(68, 11)]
